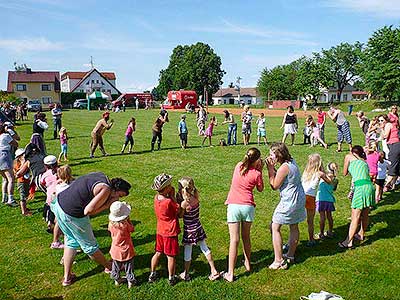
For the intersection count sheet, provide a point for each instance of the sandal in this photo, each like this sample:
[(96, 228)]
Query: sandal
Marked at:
[(358, 237), (289, 259), (70, 281), (343, 246), (184, 276), (278, 265), (329, 235), (214, 277), (225, 276)]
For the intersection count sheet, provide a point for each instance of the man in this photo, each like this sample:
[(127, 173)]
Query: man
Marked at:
[(56, 112), (97, 134)]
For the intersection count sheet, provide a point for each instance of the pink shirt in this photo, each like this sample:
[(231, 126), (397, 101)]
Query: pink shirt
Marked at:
[(49, 180), (121, 242), (393, 135), (129, 130), (393, 119), (241, 191), (321, 117), (372, 161), (63, 139)]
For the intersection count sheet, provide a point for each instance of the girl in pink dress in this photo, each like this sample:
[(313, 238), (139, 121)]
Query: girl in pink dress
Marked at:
[(209, 131), (316, 136)]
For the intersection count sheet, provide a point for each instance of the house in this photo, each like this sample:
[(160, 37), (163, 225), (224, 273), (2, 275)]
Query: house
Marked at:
[(230, 96), (87, 82), (42, 85), (360, 95), (330, 95)]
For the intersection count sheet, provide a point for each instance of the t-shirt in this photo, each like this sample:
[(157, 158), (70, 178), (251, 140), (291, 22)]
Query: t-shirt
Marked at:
[(261, 123), (56, 112), (5, 140), (310, 187), (382, 169), (24, 178), (340, 119), (63, 139), (121, 242), (241, 191), (167, 212), (325, 192), (372, 161), (321, 117), (129, 130), (49, 180), (182, 127)]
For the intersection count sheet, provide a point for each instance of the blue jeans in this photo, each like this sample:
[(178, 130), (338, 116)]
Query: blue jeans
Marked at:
[(232, 129)]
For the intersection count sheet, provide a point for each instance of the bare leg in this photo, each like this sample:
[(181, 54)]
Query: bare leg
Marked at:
[(233, 248), (56, 232), (321, 223), (339, 146), (155, 261), (284, 138), (355, 218), (293, 239), (246, 226), (292, 139), (364, 222), (330, 221), (171, 265), (211, 263), (69, 255), (10, 182), (99, 258), (277, 242), (310, 223)]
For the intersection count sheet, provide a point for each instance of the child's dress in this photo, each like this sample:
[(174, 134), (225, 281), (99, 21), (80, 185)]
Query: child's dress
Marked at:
[(122, 250), (193, 231), (209, 130)]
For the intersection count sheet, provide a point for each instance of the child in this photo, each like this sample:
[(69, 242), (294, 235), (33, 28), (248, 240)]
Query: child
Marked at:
[(183, 131), (167, 211), (315, 136), (64, 143), (383, 165), (372, 160), (209, 131), (122, 250), (307, 131), (64, 175), (129, 135), (326, 200), (311, 176), (261, 133), (193, 232), (22, 181)]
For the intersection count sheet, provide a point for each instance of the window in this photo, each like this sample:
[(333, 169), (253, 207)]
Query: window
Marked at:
[(46, 87), (81, 90), (21, 87), (97, 81), (109, 91), (344, 97), (46, 100), (249, 101), (102, 82), (87, 83), (92, 80)]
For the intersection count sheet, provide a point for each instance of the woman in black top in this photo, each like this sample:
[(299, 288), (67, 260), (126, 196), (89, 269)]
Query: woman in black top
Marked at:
[(289, 122)]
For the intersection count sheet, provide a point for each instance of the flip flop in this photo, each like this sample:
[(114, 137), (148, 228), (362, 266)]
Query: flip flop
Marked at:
[(214, 277), (343, 246), (224, 275), (358, 237)]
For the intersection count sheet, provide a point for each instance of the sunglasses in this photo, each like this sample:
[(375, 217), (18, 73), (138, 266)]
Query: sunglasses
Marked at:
[(380, 121)]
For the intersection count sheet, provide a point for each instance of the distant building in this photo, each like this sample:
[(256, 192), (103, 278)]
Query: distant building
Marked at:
[(360, 95), (87, 82), (42, 85), (349, 93), (230, 96)]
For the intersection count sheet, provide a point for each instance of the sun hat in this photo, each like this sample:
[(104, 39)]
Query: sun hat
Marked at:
[(50, 160), (161, 181), (19, 152), (8, 124), (119, 211)]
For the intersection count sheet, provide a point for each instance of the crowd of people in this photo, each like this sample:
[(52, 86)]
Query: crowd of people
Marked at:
[(374, 168)]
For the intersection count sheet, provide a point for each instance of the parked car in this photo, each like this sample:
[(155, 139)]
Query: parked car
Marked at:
[(34, 105), (80, 103)]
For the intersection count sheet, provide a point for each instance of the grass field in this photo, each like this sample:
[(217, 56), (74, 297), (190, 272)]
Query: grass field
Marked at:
[(29, 269)]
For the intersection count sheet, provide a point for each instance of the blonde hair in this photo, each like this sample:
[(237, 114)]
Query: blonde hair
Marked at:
[(64, 173), (313, 166), (186, 189), (63, 130), (332, 169), (372, 146), (251, 156)]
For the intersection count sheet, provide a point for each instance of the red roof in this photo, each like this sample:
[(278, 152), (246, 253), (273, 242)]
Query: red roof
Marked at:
[(33, 76), (80, 75), (232, 92), (359, 93)]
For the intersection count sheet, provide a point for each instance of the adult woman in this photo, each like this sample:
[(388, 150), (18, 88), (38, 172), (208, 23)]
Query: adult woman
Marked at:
[(241, 207), (232, 127), (87, 196), (97, 134), (290, 124), (157, 129), (394, 116), (291, 208), (343, 127), (364, 194), (390, 134), (321, 119), (246, 118), (6, 166), (39, 126)]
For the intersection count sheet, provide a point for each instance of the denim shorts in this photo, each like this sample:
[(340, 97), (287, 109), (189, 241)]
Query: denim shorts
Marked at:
[(78, 232), (240, 213), (64, 148)]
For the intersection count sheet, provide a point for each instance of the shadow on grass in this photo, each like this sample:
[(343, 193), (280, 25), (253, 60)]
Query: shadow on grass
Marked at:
[(49, 298)]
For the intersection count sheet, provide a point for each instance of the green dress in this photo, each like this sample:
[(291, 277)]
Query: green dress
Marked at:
[(364, 190)]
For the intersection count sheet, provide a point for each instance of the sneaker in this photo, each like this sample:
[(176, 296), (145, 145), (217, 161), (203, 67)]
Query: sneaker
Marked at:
[(172, 281), (4, 201), (184, 276), (278, 265), (153, 277), (57, 245), (12, 203), (289, 259), (132, 283)]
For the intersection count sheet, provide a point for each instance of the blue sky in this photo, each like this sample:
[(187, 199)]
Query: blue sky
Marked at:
[(135, 38)]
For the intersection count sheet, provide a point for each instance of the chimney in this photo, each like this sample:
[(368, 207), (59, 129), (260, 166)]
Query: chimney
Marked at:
[(28, 71)]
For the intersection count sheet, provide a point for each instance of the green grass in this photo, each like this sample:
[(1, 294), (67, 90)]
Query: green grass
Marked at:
[(29, 269)]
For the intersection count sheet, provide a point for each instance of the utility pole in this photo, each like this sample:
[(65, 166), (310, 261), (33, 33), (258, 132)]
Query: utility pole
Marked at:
[(238, 79), (91, 62)]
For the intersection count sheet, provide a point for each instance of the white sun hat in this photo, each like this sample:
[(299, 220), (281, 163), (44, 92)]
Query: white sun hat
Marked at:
[(50, 160), (119, 211), (19, 152)]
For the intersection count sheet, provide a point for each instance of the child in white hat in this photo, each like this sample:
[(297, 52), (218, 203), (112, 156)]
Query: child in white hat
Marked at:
[(22, 181), (122, 250)]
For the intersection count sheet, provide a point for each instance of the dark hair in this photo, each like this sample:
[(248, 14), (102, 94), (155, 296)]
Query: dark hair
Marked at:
[(2, 129), (119, 184), (281, 151), (30, 150), (359, 151), (290, 108), (133, 121), (226, 114), (41, 116), (385, 117), (251, 156)]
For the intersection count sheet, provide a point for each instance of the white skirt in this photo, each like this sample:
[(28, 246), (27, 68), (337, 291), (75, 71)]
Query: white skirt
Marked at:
[(290, 129)]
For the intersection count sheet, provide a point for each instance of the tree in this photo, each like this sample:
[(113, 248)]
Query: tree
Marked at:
[(381, 72), (195, 67), (340, 65)]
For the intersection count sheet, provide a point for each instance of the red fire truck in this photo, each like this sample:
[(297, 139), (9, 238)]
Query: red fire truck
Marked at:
[(179, 99)]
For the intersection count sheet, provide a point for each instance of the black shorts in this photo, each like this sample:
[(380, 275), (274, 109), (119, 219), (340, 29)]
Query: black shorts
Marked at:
[(394, 158), (380, 182), (48, 215)]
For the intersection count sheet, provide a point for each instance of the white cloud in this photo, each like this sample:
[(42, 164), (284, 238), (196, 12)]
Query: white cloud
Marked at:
[(39, 44), (383, 8)]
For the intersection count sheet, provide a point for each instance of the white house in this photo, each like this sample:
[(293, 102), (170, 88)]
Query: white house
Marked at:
[(87, 82), (230, 96), (330, 95)]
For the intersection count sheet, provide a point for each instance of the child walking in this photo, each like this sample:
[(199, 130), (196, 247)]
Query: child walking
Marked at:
[(22, 181), (383, 166), (316, 137), (64, 144), (326, 200), (311, 176), (122, 250), (129, 135), (193, 232), (167, 212), (183, 131), (261, 132), (209, 131), (307, 131)]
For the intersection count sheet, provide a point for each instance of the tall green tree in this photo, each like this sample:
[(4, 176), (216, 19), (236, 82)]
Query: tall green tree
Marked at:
[(381, 72), (340, 65), (193, 67)]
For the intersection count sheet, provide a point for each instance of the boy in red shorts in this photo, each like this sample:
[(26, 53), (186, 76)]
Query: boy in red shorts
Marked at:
[(167, 211)]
